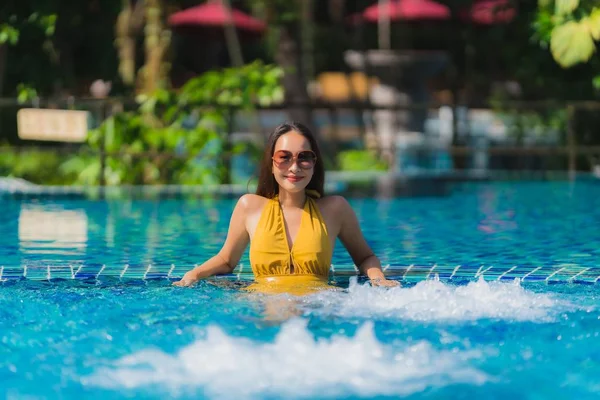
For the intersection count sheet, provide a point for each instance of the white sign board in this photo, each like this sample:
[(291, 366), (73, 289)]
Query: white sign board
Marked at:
[(52, 125)]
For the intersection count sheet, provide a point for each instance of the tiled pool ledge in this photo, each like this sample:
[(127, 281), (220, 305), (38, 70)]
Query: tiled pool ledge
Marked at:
[(565, 273), (371, 183), (21, 188)]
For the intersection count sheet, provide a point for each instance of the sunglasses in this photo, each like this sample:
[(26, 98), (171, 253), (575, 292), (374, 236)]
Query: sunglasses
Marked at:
[(305, 159)]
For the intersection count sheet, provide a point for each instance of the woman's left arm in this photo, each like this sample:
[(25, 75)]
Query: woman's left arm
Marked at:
[(352, 238)]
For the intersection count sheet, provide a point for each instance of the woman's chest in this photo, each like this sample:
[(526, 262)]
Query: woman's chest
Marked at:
[(293, 224)]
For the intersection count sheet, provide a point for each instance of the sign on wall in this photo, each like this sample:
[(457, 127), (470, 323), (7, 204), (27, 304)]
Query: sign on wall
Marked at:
[(52, 125)]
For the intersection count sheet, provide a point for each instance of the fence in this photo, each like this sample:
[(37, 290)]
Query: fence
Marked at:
[(519, 137)]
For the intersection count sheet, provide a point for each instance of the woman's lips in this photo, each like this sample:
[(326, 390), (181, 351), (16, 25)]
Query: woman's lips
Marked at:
[(294, 178)]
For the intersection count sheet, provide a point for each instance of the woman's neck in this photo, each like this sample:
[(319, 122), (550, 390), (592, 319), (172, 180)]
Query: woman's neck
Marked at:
[(291, 200)]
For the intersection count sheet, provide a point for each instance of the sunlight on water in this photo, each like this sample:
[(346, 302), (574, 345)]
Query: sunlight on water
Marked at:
[(294, 365), (436, 301)]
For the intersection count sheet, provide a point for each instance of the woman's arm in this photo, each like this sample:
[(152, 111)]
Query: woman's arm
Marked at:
[(358, 248), (231, 252)]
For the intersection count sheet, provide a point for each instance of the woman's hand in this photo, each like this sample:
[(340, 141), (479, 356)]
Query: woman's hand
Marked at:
[(189, 279), (235, 244), (384, 282), (354, 241)]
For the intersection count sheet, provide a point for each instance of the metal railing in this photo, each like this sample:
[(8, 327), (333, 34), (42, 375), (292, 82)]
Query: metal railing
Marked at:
[(350, 125)]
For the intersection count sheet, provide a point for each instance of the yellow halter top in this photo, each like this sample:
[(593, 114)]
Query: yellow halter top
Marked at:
[(299, 270)]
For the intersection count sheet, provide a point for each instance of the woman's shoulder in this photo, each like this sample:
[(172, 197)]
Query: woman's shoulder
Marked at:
[(252, 202), (334, 203), (334, 199)]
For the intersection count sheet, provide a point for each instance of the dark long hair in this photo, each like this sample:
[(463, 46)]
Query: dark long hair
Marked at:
[(267, 185)]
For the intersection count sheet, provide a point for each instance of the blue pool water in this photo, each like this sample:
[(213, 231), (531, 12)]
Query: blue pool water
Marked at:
[(97, 329)]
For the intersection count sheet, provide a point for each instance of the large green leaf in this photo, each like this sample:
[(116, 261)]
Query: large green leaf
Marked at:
[(571, 44), (566, 6), (592, 23)]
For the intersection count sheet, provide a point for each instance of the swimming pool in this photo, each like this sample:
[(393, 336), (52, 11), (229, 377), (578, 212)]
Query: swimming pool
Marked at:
[(108, 323)]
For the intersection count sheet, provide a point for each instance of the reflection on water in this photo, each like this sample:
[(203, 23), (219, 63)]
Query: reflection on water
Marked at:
[(59, 232), (495, 219)]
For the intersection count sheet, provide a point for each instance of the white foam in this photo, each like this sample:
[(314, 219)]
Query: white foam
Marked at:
[(294, 365), (433, 300)]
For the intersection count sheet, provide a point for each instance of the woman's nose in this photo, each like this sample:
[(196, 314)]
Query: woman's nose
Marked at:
[(294, 167)]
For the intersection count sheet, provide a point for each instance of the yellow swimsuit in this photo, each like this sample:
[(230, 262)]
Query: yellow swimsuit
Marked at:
[(300, 270)]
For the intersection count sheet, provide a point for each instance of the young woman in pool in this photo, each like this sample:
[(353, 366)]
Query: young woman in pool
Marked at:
[(290, 225)]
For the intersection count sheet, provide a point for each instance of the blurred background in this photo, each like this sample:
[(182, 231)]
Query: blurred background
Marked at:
[(149, 92)]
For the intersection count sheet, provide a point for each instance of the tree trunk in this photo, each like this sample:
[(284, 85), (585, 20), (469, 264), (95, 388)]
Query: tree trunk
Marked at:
[(157, 42), (128, 25), (296, 94)]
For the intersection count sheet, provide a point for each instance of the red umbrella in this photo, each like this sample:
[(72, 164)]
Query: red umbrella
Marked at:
[(408, 10), (214, 14), (489, 12), (485, 12)]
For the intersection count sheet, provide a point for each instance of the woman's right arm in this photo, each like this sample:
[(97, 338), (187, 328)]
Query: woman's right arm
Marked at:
[(231, 252)]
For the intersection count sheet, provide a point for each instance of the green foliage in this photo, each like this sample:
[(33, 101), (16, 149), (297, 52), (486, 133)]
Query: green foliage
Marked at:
[(277, 11), (25, 93), (564, 7), (538, 124), (38, 166), (171, 138), (360, 160), (45, 22), (596, 82), (148, 148), (235, 87), (58, 45), (178, 137), (571, 27), (8, 34)]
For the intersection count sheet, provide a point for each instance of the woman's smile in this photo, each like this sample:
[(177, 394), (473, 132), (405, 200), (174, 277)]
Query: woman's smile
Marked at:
[(294, 178)]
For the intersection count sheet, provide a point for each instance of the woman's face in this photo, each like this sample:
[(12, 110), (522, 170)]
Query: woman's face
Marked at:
[(293, 162)]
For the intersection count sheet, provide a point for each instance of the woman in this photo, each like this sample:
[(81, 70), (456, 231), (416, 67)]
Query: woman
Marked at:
[(290, 225)]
